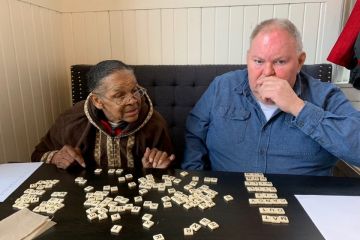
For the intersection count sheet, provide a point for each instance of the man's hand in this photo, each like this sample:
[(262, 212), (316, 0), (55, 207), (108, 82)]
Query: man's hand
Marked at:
[(155, 158), (67, 156), (273, 90)]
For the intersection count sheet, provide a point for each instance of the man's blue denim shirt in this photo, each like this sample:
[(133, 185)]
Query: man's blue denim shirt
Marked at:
[(228, 127)]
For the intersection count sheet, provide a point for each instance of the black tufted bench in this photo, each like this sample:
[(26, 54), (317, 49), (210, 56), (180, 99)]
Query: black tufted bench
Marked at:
[(174, 89)]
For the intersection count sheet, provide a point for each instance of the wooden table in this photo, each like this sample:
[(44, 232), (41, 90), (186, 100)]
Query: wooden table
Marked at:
[(237, 219)]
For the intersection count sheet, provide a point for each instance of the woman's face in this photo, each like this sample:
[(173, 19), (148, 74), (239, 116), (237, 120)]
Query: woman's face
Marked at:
[(116, 99)]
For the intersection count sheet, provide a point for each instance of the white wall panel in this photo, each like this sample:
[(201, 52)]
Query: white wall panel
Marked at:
[(117, 35), (130, 39), (236, 26), (194, 36), (311, 30), (15, 97), (222, 34), (167, 36), (32, 76), (180, 36), (265, 12), (103, 36), (296, 15), (250, 21), (142, 36), (155, 39), (281, 11), (208, 35), (8, 138)]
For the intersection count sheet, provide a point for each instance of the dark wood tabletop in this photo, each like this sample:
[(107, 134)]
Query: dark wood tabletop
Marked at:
[(237, 219)]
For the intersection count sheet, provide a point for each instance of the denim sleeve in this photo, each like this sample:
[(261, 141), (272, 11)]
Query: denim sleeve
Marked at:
[(335, 126), (197, 125)]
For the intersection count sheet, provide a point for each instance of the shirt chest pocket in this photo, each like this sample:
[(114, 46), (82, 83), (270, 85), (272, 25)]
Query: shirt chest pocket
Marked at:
[(230, 124)]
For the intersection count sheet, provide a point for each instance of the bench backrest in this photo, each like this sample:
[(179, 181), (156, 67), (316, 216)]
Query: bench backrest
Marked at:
[(174, 89)]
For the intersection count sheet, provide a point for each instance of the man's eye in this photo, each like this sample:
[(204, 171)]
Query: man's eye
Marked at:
[(257, 61), (280, 62)]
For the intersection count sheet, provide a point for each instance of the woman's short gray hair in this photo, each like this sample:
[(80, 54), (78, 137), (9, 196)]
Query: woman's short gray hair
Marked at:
[(284, 24), (103, 69)]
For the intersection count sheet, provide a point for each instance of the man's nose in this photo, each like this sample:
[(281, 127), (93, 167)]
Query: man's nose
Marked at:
[(268, 70)]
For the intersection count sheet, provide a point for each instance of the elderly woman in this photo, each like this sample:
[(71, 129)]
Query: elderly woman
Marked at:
[(116, 126)]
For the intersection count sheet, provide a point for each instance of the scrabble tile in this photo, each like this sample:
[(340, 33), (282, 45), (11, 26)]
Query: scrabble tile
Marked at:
[(138, 199), (147, 217), (207, 180), (265, 184), (154, 206), (267, 210), (121, 179), (213, 225), (204, 222), (268, 201), (128, 176), (195, 178), (111, 171), (102, 216), (143, 191), (128, 206), (114, 189), (213, 180), (147, 204), (188, 232), (135, 209), (148, 224), (113, 209), (177, 181), (266, 195), (254, 174), (228, 198), (92, 216), (187, 206), (115, 217), (183, 173), (275, 219), (165, 199), (131, 185), (203, 206), (158, 237), (167, 204), (89, 189), (98, 171), (82, 182), (195, 227), (171, 190), (119, 171), (116, 229), (106, 188)]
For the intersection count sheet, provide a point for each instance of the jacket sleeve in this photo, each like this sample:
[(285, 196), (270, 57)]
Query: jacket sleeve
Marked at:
[(155, 134), (67, 130), (335, 126), (197, 125), (50, 143)]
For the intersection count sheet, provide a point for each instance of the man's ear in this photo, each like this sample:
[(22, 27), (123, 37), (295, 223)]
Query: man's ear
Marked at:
[(97, 101), (301, 59)]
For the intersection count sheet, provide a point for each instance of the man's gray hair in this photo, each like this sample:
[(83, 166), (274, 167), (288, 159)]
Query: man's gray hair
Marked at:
[(284, 24)]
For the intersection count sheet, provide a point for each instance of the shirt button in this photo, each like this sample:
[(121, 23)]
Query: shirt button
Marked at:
[(262, 151), (301, 124)]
